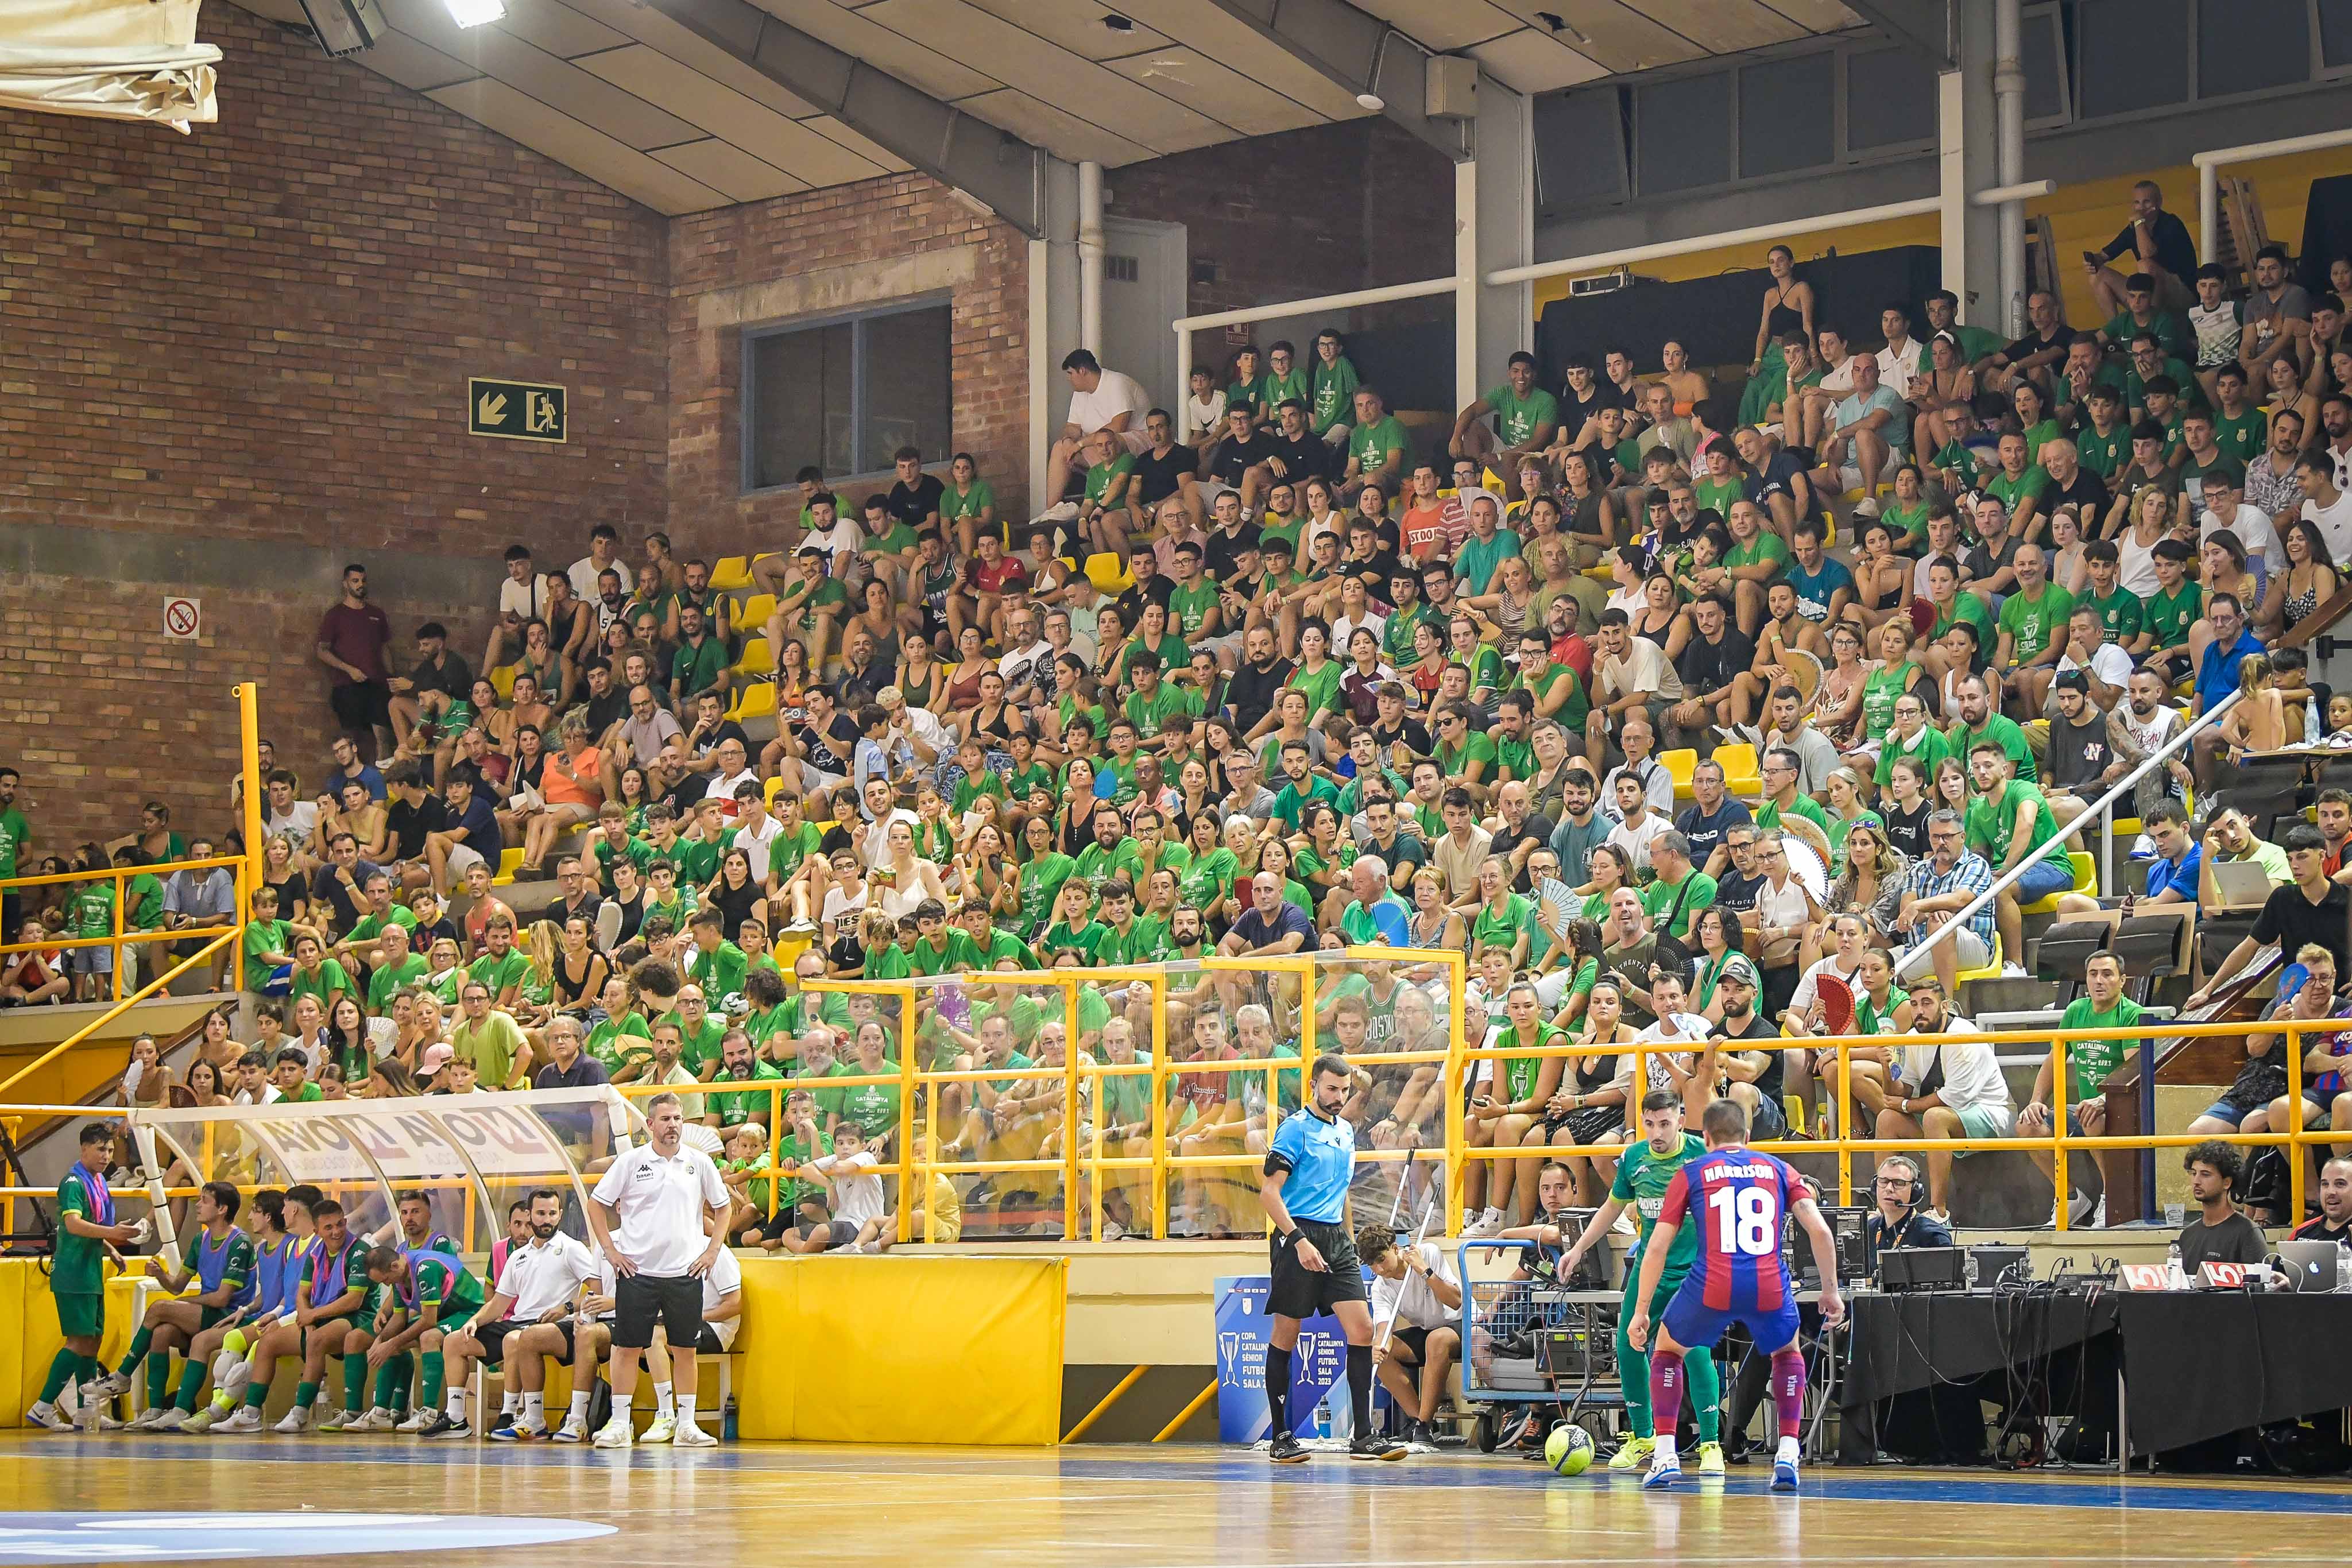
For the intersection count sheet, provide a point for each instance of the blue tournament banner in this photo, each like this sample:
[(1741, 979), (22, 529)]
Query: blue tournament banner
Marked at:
[(1319, 1365)]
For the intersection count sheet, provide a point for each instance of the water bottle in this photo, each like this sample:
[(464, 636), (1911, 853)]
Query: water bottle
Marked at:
[(2174, 1279), (2344, 1266), (2312, 731)]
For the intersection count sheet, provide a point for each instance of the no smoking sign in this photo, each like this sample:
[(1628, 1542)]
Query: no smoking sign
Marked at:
[(183, 618)]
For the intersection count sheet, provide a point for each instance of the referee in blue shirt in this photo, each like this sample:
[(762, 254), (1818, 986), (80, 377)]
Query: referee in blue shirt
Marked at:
[(1315, 1267)]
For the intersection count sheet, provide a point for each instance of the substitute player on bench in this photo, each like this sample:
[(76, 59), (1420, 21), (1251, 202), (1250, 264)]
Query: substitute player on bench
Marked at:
[(1740, 1275), (219, 1262), (1304, 1192), (1643, 1173), (429, 1290)]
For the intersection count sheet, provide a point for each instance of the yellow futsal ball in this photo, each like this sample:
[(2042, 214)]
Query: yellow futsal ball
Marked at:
[(1569, 1449)]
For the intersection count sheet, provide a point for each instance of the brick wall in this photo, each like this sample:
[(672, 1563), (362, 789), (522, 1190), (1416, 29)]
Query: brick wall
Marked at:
[(1363, 204), (261, 333), (836, 248)]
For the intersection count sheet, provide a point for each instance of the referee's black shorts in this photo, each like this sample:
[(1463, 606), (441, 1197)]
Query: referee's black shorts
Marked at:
[(642, 1300), (1299, 1292), (494, 1337)]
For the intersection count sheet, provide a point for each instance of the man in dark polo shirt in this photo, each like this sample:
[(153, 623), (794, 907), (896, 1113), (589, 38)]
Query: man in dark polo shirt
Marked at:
[(352, 636)]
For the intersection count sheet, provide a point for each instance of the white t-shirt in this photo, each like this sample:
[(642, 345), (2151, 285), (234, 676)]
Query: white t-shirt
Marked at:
[(2111, 664), (524, 599), (1410, 1302), (1115, 393), (856, 1192), (725, 1280), (659, 1203), (845, 534), (1343, 629), (1898, 367), (2335, 524), (2252, 527), (544, 1275), (722, 790), (1675, 1028), (584, 572), (298, 823), (1201, 415), (1635, 840), (1972, 1075), (1801, 1001), (754, 846), (843, 908)]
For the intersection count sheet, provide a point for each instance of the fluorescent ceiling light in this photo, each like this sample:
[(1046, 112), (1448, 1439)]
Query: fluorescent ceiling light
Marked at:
[(475, 13)]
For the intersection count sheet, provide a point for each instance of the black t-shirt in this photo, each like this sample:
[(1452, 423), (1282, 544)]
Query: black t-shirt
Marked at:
[(409, 824), (481, 824), (913, 504), (2035, 343), (1376, 574), (328, 888), (1232, 458), (1767, 1082), (1777, 479), (450, 675), (606, 711), (1253, 691), (1704, 832), (1709, 668), (1306, 458), (1907, 830), (725, 730), (1983, 563), (1156, 479), (1410, 730), (1537, 828), (1737, 893), (830, 750), (2236, 1239), (1574, 410), (1224, 550), (2079, 753), (1584, 513), (2290, 919), (2088, 494)]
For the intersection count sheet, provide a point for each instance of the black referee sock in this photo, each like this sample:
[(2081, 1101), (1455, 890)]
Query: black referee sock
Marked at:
[(1277, 1386), (1360, 1387)]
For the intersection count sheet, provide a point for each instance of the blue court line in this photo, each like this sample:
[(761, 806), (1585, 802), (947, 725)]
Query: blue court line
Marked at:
[(1880, 1484)]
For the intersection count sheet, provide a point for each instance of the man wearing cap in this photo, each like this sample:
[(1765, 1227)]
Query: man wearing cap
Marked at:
[(1755, 1074)]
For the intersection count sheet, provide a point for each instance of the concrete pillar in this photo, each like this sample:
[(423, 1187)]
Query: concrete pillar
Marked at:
[(1968, 160), (1494, 212)]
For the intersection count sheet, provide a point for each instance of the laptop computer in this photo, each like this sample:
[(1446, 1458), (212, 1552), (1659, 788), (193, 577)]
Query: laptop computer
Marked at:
[(2240, 882), (2312, 1264)]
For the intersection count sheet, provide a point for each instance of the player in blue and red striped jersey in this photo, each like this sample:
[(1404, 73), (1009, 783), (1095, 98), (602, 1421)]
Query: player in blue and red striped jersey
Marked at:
[(1737, 1198)]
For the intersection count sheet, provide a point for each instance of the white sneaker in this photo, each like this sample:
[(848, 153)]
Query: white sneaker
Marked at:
[(297, 1420), (247, 1419), (172, 1420), (415, 1421), (1866, 508), (689, 1436), (2079, 1208), (201, 1422), (45, 1413), (145, 1420), (574, 1430), (107, 1386), (1488, 1224), (378, 1420), (614, 1434), (2099, 1215), (663, 1428), (337, 1421), (1068, 511)]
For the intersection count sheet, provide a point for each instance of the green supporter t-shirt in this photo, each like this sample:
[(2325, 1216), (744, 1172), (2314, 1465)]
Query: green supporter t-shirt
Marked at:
[(262, 936), (1189, 607), (2104, 454), (735, 1106), (1372, 446), (1517, 418), (1334, 394), (616, 1043), (2089, 1062), (1040, 884), (385, 983), (2241, 436), (1099, 476), (1455, 762), (1765, 546), (500, 973), (91, 911), (13, 832), (1769, 816), (1991, 827), (2032, 624), (143, 907), (1643, 1178), (2170, 616), (2002, 731), (2121, 613), (330, 977), (2014, 493), (1520, 1073), (1718, 494), (1660, 896), (1966, 607), (957, 505)]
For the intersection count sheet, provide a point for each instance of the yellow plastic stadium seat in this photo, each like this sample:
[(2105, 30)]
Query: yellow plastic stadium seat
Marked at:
[(732, 572), (758, 659), (1679, 766), (755, 612), (2087, 881), (757, 700), (1991, 971), (775, 788), (1740, 777), (1108, 574), (509, 860), (503, 679)]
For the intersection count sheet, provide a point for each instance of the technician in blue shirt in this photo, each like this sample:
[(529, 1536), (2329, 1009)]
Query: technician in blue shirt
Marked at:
[(1313, 1264)]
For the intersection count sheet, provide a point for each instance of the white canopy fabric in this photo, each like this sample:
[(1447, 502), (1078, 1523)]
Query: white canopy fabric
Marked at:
[(117, 59)]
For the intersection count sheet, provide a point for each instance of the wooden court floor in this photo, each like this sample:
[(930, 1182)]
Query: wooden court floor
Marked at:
[(299, 1502)]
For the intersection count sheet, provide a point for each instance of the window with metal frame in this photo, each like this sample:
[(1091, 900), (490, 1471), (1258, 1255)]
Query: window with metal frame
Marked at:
[(846, 392)]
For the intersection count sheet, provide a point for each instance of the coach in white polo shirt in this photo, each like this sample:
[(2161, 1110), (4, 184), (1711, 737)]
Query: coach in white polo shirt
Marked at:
[(660, 1215), (541, 1279)]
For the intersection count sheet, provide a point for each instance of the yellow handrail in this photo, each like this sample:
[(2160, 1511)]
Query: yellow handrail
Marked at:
[(116, 1011)]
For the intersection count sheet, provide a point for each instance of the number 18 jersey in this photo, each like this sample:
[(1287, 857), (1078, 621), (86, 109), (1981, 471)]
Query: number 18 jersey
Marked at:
[(1738, 1201)]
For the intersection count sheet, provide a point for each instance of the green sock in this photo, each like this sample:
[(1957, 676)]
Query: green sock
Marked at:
[(159, 1378), (191, 1382), (1704, 1383), (62, 1367), (392, 1381), (90, 1369), (354, 1381), (433, 1376), (1633, 1377), (138, 1343), (304, 1393)]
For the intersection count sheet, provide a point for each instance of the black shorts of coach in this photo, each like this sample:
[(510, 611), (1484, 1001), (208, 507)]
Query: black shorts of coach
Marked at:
[(1299, 1292), (642, 1300), (494, 1337)]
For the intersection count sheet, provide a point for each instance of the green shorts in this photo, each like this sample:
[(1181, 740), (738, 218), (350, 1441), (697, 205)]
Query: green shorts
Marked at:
[(1985, 1122), (81, 1314), (1668, 1283), (207, 1316)]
